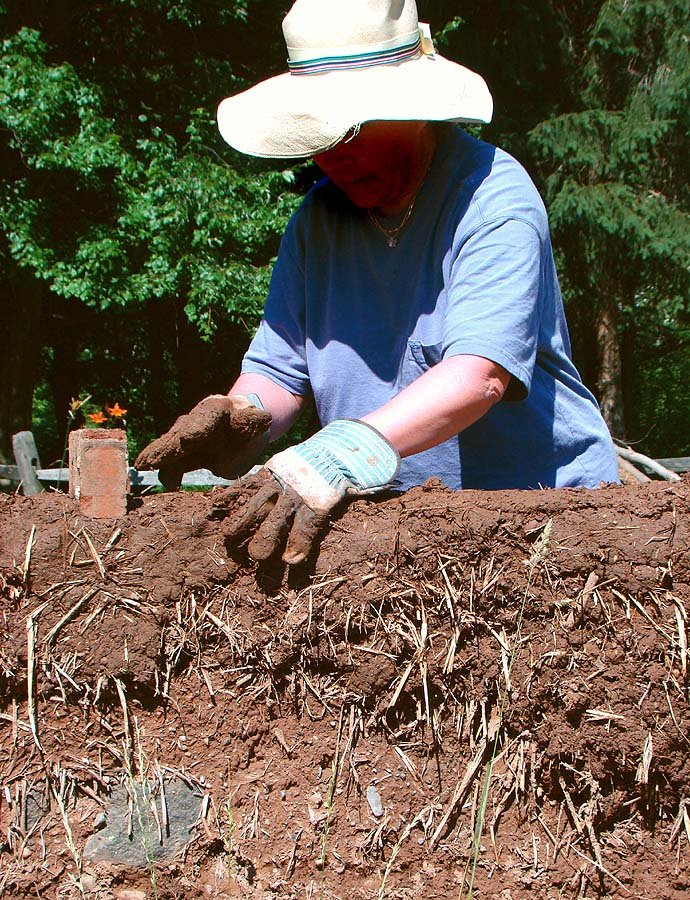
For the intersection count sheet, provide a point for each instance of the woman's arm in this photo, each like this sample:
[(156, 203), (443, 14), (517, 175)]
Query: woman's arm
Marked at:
[(283, 406), (448, 398)]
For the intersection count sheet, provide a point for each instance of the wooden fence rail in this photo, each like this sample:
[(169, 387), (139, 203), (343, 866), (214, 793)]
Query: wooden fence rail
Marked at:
[(678, 464), (29, 473), (60, 478)]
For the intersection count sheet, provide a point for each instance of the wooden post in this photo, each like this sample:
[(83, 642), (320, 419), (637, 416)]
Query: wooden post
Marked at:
[(26, 457)]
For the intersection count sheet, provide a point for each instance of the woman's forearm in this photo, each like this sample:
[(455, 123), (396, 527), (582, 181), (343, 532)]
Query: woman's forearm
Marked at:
[(441, 403), (283, 406)]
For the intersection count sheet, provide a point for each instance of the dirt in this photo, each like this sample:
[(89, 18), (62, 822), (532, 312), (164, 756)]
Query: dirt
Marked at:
[(472, 694), (219, 434)]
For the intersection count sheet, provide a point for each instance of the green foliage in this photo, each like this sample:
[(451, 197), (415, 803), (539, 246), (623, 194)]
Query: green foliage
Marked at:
[(660, 376), (601, 216), (615, 172), (47, 425), (118, 193), (630, 144), (162, 218), (155, 241)]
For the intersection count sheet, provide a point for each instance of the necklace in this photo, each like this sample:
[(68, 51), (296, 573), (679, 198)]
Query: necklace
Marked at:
[(392, 234)]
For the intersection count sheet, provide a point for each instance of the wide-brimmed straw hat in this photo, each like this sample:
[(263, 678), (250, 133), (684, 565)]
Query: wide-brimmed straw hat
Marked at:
[(350, 62)]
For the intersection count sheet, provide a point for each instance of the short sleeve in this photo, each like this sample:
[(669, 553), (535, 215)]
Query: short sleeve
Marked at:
[(278, 348), (493, 298)]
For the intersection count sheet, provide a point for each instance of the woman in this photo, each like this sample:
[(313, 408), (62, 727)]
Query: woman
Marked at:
[(415, 293)]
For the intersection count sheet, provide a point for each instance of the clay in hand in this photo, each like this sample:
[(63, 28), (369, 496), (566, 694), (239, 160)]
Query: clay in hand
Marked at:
[(221, 433)]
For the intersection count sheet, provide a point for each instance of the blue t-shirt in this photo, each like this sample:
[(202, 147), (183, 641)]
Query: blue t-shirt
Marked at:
[(355, 321)]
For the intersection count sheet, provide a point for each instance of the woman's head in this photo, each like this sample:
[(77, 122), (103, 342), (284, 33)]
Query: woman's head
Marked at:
[(382, 164)]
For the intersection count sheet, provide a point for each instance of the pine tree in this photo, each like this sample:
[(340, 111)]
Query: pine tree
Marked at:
[(616, 177)]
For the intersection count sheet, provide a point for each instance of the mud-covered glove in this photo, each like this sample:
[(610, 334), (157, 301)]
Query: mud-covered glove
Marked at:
[(221, 433), (289, 502)]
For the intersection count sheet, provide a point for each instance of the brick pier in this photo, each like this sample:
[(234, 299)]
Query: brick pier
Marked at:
[(99, 472)]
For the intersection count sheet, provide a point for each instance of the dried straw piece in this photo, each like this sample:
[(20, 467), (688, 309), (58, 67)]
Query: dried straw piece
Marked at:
[(52, 634), (463, 786), (27, 555), (31, 671)]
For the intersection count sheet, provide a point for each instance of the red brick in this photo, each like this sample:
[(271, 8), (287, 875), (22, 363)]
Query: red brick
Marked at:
[(99, 472)]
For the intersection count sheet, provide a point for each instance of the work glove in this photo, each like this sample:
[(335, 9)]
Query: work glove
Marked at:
[(286, 505), (221, 433)]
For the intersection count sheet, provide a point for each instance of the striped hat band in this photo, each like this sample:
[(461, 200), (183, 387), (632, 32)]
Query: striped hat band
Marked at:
[(374, 55)]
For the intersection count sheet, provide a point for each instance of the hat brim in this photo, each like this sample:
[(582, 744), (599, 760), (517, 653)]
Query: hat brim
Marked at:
[(292, 116)]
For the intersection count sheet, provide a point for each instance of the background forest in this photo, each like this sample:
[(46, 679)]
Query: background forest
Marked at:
[(136, 247)]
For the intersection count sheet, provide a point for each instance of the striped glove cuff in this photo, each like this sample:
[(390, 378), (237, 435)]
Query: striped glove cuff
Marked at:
[(347, 457)]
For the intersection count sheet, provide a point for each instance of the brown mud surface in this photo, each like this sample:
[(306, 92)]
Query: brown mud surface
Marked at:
[(474, 694), (218, 433)]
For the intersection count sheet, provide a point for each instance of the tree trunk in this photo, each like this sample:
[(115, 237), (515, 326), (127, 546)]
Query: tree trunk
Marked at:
[(66, 330), (191, 361), (629, 342), (20, 313), (610, 379), (157, 335)]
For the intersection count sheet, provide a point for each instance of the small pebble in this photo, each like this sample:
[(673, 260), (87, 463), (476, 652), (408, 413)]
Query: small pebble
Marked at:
[(100, 821), (374, 801)]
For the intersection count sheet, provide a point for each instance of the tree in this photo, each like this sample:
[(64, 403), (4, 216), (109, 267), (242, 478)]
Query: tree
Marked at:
[(616, 181), (119, 193), (135, 244)]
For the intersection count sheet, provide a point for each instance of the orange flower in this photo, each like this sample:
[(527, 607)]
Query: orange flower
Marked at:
[(116, 411), (98, 418)]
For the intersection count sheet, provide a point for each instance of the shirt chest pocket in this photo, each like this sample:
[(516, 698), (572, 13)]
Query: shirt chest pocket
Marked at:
[(418, 359)]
